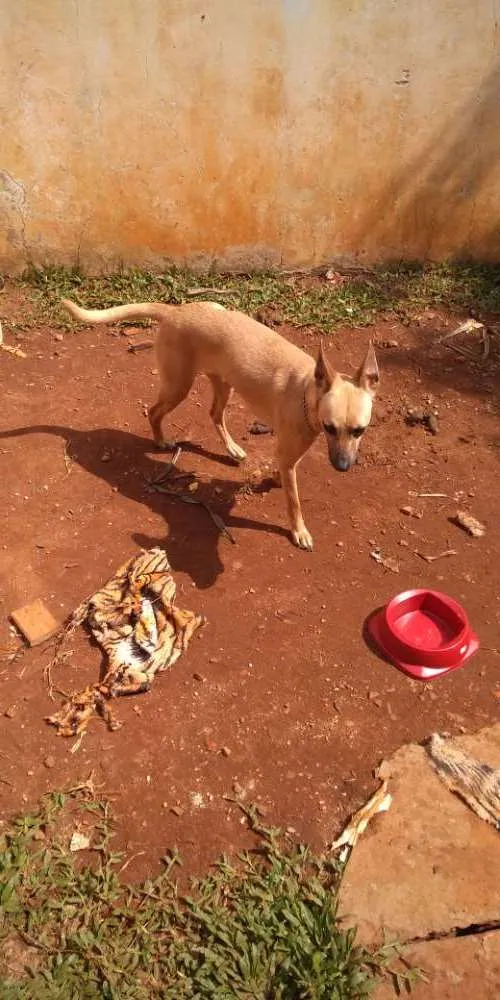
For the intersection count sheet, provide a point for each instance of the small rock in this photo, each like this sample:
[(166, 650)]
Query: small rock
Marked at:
[(199, 677), (106, 456), (414, 417), (469, 523), (225, 751), (177, 810), (140, 345), (49, 762), (10, 712), (197, 800), (259, 428), (432, 423), (58, 336), (411, 511)]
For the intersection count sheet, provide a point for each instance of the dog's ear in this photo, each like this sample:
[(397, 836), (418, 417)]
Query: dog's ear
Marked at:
[(323, 373), (368, 376)]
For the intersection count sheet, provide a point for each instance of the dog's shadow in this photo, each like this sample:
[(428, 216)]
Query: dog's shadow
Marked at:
[(193, 537)]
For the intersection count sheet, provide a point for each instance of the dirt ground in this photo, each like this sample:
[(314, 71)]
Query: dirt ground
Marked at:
[(278, 698)]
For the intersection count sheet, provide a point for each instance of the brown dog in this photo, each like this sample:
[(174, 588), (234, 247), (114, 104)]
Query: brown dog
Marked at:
[(281, 383)]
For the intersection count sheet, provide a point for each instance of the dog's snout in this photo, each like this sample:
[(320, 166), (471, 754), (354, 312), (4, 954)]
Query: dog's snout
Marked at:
[(341, 462)]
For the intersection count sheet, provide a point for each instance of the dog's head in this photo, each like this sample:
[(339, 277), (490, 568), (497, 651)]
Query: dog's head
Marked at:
[(344, 408)]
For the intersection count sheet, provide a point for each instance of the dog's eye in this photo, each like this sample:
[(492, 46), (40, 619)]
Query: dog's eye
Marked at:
[(330, 429), (357, 431)]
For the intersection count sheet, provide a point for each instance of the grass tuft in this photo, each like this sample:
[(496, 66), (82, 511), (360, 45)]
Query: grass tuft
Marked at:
[(353, 300), (264, 927)]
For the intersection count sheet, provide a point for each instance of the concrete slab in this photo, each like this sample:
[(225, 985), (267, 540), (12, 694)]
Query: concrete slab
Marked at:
[(466, 968), (429, 864)]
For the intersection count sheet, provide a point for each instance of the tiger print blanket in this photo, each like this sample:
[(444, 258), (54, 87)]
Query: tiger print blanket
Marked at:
[(135, 621)]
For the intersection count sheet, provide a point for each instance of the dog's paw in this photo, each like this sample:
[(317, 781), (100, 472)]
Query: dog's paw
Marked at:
[(236, 452), (303, 539), (164, 445)]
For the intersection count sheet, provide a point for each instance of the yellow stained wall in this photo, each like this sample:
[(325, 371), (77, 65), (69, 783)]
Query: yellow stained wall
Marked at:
[(248, 132)]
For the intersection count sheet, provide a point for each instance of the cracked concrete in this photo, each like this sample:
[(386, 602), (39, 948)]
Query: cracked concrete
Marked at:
[(456, 969), (428, 866)]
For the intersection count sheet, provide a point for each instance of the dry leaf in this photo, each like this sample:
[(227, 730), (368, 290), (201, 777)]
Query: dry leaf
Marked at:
[(79, 842), (440, 555), (380, 802), (13, 350), (386, 561)]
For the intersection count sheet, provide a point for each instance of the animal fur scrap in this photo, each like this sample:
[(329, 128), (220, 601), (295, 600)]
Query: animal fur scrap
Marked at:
[(135, 621), (476, 783)]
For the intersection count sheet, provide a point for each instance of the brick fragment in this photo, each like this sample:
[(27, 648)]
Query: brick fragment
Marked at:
[(35, 622)]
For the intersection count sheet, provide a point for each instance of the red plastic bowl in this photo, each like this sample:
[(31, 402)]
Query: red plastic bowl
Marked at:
[(424, 633)]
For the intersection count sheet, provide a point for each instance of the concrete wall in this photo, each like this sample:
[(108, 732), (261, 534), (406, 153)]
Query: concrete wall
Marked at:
[(248, 132)]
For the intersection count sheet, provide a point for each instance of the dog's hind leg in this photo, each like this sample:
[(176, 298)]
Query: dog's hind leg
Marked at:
[(222, 392), (169, 397)]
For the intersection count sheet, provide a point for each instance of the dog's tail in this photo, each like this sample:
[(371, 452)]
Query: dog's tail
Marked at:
[(135, 310)]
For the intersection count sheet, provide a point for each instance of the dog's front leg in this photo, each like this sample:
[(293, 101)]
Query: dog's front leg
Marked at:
[(288, 475)]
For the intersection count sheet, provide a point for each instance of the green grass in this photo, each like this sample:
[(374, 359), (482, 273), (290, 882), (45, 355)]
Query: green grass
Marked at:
[(264, 927), (300, 301)]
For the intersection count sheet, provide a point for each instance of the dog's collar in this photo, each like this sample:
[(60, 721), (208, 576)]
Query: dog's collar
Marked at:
[(312, 429)]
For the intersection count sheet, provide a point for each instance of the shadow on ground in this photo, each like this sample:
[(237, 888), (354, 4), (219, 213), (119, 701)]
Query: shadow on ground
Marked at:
[(129, 473)]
